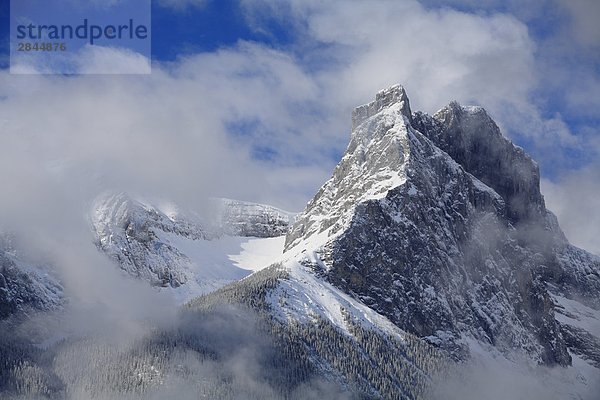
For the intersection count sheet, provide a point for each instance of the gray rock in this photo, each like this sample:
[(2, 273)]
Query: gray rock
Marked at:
[(438, 223)]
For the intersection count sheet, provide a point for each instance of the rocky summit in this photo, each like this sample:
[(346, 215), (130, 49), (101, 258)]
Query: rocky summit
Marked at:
[(437, 222)]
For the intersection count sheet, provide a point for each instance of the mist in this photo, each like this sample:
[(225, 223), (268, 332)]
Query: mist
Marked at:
[(495, 378), (224, 353)]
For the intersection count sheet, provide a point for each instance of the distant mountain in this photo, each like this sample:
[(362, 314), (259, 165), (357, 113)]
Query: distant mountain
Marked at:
[(187, 253), (174, 248)]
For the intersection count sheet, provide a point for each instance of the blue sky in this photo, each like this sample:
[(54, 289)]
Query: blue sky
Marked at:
[(269, 86), (212, 25), (206, 28)]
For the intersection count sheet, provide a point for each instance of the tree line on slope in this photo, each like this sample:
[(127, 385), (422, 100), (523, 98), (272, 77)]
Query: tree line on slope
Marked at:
[(227, 345)]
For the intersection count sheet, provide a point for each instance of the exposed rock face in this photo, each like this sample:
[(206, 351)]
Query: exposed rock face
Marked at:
[(374, 163), (240, 218), (126, 231), (438, 223), (472, 138)]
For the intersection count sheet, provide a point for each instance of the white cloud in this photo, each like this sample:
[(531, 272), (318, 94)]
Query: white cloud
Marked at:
[(575, 199), (108, 60), (584, 21), (392, 41), (86, 60), (438, 54), (489, 377), (164, 133)]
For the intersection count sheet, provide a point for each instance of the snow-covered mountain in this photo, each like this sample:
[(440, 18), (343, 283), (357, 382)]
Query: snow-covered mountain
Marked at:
[(183, 250), (430, 248), (438, 224), (434, 228), (188, 253)]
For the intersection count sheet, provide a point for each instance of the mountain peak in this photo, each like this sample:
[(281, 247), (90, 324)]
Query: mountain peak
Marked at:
[(455, 113), (472, 138), (437, 222), (374, 163), (455, 107), (384, 98)]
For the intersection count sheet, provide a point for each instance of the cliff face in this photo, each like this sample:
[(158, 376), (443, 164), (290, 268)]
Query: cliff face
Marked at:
[(472, 139), (438, 223)]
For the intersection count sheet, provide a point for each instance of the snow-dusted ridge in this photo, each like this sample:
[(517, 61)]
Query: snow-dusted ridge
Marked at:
[(189, 252), (303, 297), (25, 284), (374, 163), (242, 218)]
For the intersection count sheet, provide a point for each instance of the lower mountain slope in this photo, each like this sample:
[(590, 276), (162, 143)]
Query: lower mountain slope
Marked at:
[(237, 342)]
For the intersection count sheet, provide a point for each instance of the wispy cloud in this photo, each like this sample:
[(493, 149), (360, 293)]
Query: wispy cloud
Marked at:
[(575, 198)]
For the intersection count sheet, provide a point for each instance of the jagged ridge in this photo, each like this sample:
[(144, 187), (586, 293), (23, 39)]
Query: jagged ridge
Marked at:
[(438, 223)]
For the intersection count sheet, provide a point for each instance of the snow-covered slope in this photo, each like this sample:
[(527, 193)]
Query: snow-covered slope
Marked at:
[(211, 264), (189, 253), (303, 297), (185, 251)]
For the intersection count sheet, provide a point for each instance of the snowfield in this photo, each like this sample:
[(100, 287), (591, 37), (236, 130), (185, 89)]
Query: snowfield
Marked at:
[(212, 264)]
